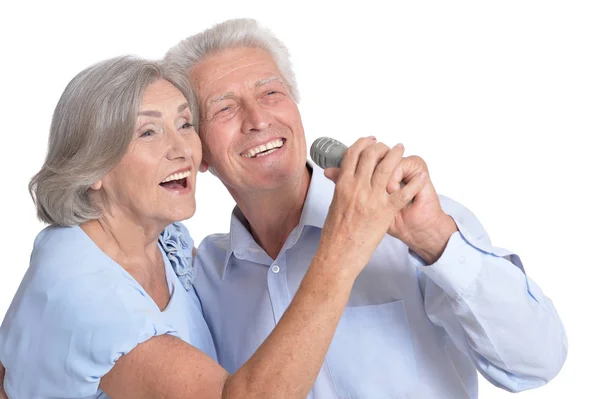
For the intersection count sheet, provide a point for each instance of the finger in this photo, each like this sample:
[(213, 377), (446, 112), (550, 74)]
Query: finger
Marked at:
[(369, 160), (352, 154), (406, 194), (333, 174), (408, 168), (386, 168)]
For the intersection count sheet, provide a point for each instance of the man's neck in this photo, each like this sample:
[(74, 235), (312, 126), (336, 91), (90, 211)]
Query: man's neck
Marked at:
[(273, 215)]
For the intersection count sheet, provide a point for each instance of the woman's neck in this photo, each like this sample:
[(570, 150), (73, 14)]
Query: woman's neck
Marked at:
[(135, 248)]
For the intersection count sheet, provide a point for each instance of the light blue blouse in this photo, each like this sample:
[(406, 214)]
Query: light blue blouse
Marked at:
[(77, 311)]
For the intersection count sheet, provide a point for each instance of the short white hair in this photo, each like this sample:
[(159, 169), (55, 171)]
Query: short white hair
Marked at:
[(230, 34)]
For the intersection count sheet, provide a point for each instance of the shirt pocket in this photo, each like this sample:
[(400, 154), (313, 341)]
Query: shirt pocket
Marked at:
[(371, 355)]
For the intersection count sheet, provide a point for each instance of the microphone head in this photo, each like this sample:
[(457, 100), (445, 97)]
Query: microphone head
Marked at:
[(327, 152)]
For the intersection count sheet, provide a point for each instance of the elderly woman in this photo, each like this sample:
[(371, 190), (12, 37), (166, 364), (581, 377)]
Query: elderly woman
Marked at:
[(106, 308)]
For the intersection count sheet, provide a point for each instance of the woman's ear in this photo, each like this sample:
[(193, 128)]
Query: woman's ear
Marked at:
[(96, 185)]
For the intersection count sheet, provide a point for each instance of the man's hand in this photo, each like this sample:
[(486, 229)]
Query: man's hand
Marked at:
[(422, 224), (362, 208)]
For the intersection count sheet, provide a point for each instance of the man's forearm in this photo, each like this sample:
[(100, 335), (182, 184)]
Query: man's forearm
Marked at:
[(506, 322), (430, 243)]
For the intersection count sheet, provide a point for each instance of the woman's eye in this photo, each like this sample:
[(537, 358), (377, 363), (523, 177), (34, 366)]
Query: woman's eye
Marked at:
[(187, 125), (271, 92), (147, 133)]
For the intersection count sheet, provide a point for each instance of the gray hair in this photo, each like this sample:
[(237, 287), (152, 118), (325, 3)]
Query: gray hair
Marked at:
[(91, 129), (233, 33)]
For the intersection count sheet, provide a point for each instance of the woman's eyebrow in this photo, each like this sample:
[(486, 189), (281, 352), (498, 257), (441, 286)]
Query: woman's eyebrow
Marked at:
[(157, 114)]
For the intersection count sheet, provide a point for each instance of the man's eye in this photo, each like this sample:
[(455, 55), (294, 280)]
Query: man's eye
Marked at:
[(271, 92), (224, 109)]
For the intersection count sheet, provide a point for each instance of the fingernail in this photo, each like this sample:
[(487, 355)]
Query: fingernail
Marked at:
[(372, 137), (399, 145)]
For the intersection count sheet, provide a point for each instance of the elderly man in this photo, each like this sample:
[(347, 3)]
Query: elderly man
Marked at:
[(435, 303)]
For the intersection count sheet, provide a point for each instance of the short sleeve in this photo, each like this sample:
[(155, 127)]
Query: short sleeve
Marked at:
[(62, 335)]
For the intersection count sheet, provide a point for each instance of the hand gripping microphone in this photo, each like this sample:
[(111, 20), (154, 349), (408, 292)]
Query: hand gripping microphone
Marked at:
[(327, 153)]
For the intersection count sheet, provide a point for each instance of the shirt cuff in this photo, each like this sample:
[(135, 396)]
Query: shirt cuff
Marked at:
[(458, 267)]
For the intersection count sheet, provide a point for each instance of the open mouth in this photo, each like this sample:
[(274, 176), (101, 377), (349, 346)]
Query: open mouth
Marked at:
[(264, 149), (176, 181)]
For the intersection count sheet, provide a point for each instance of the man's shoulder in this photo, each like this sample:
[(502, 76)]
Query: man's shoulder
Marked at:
[(212, 252), (216, 242)]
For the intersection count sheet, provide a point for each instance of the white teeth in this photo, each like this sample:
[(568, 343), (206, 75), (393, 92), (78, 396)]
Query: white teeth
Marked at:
[(272, 145), (262, 154), (177, 176)]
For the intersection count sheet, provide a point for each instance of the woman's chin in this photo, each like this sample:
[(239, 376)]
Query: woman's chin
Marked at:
[(182, 212)]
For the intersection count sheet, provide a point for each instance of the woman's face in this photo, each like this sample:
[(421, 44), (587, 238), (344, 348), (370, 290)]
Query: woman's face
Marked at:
[(155, 181)]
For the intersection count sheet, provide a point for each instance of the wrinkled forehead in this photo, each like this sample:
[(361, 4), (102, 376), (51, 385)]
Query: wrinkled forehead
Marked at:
[(233, 69)]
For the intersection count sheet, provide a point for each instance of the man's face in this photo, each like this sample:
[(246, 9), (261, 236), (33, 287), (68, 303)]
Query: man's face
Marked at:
[(250, 126)]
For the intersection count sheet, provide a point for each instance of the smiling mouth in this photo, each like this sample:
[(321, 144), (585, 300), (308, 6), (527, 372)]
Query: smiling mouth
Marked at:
[(175, 184), (176, 181), (264, 149)]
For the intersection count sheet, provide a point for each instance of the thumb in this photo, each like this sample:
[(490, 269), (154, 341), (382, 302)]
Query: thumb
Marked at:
[(333, 174)]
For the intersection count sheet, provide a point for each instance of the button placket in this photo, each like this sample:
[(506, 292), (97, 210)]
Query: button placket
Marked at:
[(278, 291)]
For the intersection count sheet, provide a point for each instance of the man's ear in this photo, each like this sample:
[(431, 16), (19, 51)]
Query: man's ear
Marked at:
[(203, 166), (96, 185)]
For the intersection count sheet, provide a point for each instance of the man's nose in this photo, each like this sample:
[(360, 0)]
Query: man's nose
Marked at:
[(256, 118)]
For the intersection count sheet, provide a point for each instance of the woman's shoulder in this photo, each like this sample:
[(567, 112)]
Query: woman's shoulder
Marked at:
[(65, 243), (73, 316), (66, 253)]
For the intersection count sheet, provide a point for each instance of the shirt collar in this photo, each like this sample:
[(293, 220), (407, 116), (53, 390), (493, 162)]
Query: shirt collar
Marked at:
[(318, 199), (314, 212)]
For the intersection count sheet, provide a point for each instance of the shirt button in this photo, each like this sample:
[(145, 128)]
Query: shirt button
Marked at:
[(462, 259), (275, 269)]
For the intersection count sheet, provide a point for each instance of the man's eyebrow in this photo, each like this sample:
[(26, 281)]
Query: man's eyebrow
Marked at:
[(268, 80), (222, 97), (229, 94)]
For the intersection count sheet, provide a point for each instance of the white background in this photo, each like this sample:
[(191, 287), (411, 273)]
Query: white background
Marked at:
[(501, 99)]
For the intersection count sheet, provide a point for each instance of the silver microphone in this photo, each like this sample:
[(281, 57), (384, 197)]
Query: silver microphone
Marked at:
[(327, 152)]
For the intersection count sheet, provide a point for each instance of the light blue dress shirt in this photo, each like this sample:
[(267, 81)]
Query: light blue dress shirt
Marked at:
[(409, 330), (77, 311)]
